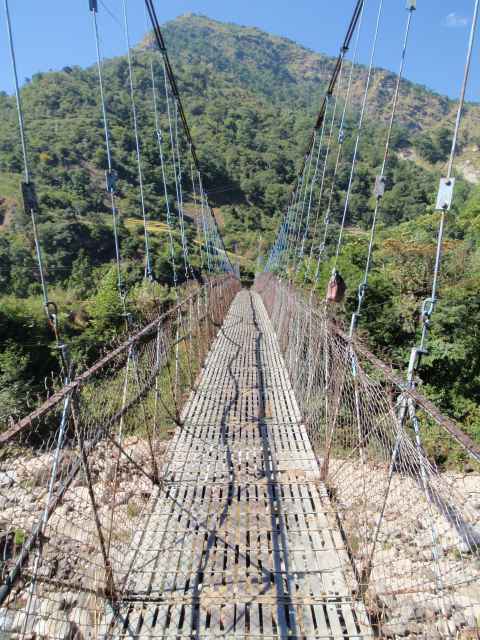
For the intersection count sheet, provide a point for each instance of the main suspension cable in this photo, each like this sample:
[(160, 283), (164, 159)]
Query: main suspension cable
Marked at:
[(336, 71), (181, 112), (341, 140), (291, 214)]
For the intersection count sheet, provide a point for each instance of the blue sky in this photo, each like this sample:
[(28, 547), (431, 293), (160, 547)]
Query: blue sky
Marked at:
[(50, 35)]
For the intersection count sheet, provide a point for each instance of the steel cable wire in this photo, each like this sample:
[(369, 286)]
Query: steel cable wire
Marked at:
[(148, 265), (359, 133)]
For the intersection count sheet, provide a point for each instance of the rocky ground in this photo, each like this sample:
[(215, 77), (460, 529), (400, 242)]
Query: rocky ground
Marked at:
[(420, 546), (68, 600), (425, 579)]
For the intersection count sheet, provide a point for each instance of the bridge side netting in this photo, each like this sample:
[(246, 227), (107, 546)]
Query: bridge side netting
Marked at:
[(409, 522)]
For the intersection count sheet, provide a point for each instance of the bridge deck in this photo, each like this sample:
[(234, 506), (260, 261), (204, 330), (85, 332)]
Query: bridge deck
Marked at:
[(240, 542)]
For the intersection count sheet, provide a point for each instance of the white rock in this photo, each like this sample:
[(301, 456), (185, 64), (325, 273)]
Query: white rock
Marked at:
[(59, 628), (7, 478), (11, 621), (82, 623)]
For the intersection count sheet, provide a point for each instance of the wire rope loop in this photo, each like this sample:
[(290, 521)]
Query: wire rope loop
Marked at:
[(428, 307)]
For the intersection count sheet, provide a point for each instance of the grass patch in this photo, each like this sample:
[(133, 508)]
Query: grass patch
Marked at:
[(10, 185), (19, 537)]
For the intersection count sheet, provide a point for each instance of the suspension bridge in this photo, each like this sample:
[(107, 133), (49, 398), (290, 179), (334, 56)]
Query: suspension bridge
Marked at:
[(241, 465)]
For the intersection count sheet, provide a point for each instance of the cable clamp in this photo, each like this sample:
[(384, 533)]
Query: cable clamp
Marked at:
[(445, 194), (354, 322), (411, 5), (379, 189), (111, 178), (428, 307), (93, 5), (341, 136), (29, 195)]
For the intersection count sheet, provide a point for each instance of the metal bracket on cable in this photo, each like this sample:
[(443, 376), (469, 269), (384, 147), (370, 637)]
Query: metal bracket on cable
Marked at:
[(379, 190), (445, 194), (93, 5), (29, 195), (111, 178), (159, 135), (411, 5), (428, 307), (362, 290)]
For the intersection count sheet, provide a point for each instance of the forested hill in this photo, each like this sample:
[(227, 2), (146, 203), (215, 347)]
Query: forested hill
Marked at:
[(251, 99), (281, 72)]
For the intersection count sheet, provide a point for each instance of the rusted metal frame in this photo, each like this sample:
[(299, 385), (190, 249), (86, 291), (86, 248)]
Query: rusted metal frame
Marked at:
[(198, 339), (142, 405), (358, 419), (353, 451), (337, 399), (189, 347), (53, 476), (57, 397), (120, 436), (173, 416), (153, 478), (425, 482), (161, 353), (366, 573)]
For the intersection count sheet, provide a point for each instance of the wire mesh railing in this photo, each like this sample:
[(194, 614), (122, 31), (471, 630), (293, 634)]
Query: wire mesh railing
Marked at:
[(77, 474), (403, 480)]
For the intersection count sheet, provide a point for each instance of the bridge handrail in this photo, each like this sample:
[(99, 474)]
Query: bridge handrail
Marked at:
[(60, 395), (422, 401)]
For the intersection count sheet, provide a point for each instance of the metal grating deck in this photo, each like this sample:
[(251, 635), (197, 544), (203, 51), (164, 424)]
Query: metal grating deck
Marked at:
[(240, 542)]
